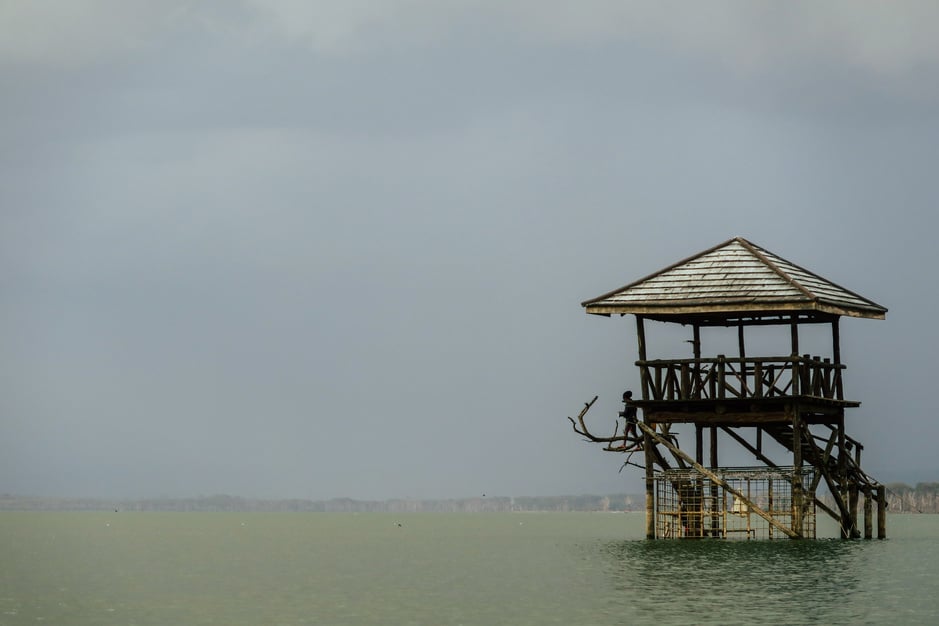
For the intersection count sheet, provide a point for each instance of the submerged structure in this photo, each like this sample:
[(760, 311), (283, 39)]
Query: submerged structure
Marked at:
[(793, 399)]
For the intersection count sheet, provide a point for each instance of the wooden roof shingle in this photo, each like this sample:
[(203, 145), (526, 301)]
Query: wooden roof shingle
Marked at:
[(734, 279)]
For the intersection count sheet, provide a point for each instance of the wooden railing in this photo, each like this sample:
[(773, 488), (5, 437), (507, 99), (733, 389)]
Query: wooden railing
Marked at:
[(730, 377)]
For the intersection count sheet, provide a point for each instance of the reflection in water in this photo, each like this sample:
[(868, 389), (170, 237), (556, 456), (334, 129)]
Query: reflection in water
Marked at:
[(734, 581)]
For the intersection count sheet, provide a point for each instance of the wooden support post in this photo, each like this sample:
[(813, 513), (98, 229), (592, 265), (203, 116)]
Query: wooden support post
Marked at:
[(836, 357), (796, 375), (647, 443), (881, 512), (650, 482), (644, 369), (842, 453), (794, 334), (843, 473), (797, 499), (868, 515), (741, 348), (806, 370), (715, 518), (852, 508), (696, 346)]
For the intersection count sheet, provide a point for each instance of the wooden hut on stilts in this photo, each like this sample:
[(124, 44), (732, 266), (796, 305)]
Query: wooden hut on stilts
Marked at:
[(792, 398)]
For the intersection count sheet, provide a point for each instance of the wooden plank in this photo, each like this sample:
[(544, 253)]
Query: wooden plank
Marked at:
[(652, 435)]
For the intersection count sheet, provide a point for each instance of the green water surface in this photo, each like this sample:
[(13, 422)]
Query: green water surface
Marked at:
[(508, 568)]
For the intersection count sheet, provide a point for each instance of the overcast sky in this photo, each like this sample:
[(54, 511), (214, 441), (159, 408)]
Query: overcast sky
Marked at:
[(283, 248)]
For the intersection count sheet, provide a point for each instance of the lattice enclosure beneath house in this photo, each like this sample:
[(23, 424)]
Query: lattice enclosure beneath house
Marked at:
[(689, 504)]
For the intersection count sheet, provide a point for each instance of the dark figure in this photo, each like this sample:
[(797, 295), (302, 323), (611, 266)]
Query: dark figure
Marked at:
[(629, 414)]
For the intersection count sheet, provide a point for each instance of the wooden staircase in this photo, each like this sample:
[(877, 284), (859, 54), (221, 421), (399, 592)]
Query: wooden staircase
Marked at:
[(843, 476)]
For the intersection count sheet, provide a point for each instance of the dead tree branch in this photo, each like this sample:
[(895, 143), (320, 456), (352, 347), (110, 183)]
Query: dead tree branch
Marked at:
[(580, 427)]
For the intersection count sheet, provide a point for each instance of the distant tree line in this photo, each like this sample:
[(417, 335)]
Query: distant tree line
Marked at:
[(923, 498), (229, 503), (901, 498)]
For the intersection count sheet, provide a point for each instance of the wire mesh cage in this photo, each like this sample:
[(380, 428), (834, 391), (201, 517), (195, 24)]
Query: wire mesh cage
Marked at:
[(689, 504)]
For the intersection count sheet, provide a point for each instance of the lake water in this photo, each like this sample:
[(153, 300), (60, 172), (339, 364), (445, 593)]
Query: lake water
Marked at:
[(508, 568)]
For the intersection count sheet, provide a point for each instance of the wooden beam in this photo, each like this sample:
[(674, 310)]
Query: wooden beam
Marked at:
[(651, 434), (832, 512), (847, 528), (824, 461)]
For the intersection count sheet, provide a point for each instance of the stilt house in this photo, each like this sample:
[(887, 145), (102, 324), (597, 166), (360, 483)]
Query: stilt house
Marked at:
[(796, 400)]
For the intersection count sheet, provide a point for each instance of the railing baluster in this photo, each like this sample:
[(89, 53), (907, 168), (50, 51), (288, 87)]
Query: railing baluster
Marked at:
[(685, 382), (758, 379), (796, 374), (670, 382), (721, 377)]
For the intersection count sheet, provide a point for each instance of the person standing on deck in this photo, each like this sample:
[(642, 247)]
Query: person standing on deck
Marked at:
[(629, 414)]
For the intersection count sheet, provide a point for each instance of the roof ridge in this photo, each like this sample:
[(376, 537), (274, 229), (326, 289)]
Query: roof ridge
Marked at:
[(659, 272), (825, 280), (736, 275), (756, 251)]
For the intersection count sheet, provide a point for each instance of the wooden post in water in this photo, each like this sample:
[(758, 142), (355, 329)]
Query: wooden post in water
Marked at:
[(881, 512), (646, 441), (868, 515), (715, 516), (852, 508), (797, 500), (650, 487)]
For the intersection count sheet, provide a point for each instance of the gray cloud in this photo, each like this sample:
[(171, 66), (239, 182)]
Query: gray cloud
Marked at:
[(325, 249)]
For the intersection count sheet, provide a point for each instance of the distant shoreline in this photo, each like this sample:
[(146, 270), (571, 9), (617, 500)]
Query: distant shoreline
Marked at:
[(901, 498), (226, 503)]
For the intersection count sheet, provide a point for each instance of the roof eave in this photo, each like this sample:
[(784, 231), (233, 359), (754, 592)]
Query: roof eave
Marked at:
[(729, 309)]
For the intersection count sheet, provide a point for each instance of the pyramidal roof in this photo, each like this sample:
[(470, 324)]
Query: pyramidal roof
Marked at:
[(735, 278)]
